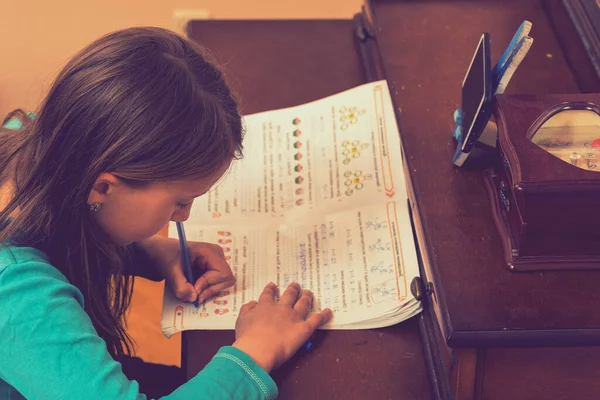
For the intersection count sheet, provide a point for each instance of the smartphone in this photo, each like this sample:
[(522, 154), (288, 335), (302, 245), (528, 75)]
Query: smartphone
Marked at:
[(476, 99)]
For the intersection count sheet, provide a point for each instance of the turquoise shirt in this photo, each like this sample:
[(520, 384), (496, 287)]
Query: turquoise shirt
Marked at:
[(49, 348)]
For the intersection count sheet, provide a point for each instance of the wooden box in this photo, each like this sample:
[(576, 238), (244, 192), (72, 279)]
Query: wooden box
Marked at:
[(545, 182)]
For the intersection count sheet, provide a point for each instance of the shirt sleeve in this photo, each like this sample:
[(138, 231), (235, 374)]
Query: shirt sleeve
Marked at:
[(50, 349)]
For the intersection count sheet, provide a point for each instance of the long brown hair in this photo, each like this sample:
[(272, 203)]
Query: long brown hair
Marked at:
[(144, 104)]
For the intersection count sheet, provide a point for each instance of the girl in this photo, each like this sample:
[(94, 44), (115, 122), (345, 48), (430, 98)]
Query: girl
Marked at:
[(134, 128)]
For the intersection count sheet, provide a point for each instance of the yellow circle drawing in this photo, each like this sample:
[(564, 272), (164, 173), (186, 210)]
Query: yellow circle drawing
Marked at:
[(355, 181), (349, 116), (351, 150)]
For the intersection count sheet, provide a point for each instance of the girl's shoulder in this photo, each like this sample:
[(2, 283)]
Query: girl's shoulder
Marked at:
[(26, 261), (30, 269), (11, 255)]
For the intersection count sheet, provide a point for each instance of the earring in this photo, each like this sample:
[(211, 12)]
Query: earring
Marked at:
[(95, 206)]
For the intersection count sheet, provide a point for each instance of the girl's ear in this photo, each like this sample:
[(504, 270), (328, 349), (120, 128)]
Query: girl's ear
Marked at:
[(102, 188)]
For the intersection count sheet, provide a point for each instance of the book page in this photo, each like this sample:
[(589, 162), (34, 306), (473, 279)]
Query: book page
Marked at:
[(341, 151), (325, 207)]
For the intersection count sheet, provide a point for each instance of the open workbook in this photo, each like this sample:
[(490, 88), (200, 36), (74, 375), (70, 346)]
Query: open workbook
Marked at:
[(319, 199)]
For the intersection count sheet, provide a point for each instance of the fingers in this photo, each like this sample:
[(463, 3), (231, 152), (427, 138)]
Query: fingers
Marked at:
[(199, 266), (182, 289), (208, 256), (212, 291), (247, 307), (291, 294), (304, 303), (219, 250), (217, 275), (316, 320), (186, 293), (219, 267), (209, 285), (268, 294), (213, 254), (206, 248), (212, 278)]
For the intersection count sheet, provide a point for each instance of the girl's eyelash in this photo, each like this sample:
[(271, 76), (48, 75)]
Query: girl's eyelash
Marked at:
[(182, 206)]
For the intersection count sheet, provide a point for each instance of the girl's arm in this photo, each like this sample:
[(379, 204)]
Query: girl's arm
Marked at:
[(163, 255), (139, 263), (50, 350)]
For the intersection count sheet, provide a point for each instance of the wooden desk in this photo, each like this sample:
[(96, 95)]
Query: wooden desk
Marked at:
[(274, 64), (479, 301), (476, 304)]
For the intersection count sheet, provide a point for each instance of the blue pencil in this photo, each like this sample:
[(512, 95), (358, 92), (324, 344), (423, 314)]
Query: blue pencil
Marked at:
[(186, 258), (308, 346)]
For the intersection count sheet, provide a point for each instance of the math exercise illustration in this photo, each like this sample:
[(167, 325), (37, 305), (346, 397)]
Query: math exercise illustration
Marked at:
[(376, 224), (200, 313), (384, 291), (349, 116), (351, 150), (379, 247), (355, 181), (382, 268)]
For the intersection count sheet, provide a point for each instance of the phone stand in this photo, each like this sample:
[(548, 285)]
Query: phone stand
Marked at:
[(482, 155)]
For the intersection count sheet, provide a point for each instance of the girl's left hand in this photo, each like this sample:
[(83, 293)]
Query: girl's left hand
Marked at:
[(215, 273)]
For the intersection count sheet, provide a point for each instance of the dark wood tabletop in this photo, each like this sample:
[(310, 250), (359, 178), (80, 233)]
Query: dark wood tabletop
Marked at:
[(275, 64), (558, 373), (426, 48)]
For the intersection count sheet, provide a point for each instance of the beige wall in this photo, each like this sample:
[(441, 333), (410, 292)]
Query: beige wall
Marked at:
[(38, 36)]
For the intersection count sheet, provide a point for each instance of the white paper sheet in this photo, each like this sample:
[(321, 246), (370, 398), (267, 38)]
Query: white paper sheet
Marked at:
[(319, 199)]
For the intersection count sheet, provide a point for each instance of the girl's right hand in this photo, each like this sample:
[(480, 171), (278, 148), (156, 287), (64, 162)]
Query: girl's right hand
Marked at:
[(270, 332)]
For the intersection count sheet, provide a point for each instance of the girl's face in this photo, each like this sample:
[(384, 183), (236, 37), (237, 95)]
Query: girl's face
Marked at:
[(131, 214)]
